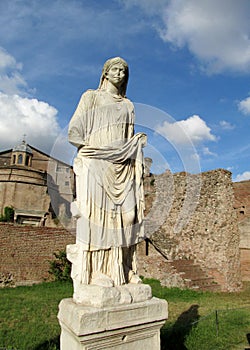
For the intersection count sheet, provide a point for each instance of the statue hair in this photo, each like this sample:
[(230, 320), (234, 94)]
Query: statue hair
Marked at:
[(106, 67)]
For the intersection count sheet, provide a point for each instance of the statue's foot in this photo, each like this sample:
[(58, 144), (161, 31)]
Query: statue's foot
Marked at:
[(100, 279), (133, 277)]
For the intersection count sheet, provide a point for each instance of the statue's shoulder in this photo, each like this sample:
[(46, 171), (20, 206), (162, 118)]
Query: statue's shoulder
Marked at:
[(89, 93), (88, 97), (129, 102), (127, 99)]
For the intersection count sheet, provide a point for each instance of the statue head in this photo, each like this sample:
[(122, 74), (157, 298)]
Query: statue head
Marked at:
[(107, 65)]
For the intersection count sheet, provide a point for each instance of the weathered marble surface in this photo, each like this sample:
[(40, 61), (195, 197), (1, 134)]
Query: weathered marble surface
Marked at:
[(109, 203), (126, 327), (110, 308)]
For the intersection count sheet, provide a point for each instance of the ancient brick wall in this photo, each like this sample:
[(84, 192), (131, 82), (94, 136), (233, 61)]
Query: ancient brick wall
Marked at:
[(5, 157), (193, 218), (26, 250), (242, 207), (152, 264), (244, 227), (23, 188), (47, 178), (242, 199), (189, 218)]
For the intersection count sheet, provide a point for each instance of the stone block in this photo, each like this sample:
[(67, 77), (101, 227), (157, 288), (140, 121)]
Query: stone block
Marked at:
[(98, 296), (126, 327)]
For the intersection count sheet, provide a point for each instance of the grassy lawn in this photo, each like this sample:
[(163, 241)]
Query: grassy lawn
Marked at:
[(194, 323), (28, 317)]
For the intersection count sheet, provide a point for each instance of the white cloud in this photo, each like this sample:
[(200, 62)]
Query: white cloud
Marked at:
[(36, 119), (8, 61), (216, 32), (207, 152), (195, 157), (244, 106), (21, 115), (192, 129), (11, 80), (226, 125), (243, 177)]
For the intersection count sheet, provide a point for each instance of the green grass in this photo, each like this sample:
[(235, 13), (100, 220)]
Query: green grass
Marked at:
[(28, 317), (192, 323)]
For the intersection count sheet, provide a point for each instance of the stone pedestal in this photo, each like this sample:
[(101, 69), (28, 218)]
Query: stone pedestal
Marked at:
[(122, 326)]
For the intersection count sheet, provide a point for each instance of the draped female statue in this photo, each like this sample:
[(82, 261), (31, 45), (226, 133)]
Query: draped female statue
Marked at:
[(109, 182)]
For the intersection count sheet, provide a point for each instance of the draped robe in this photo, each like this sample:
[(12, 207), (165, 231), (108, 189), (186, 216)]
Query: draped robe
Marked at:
[(109, 190)]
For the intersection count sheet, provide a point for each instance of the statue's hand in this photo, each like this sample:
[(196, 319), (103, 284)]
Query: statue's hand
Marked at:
[(75, 211), (144, 140)]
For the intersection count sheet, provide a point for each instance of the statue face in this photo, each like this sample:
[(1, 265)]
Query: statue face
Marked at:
[(116, 74)]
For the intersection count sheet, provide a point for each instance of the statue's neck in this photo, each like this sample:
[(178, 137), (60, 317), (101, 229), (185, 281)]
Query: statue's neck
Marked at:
[(112, 89)]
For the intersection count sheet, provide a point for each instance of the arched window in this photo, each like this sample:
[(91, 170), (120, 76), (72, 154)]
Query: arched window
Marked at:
[(20, 159), (27, 160), (14, 159)]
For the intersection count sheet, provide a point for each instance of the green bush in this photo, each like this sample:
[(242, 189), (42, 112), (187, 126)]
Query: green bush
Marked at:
[(60, 267), (8, 215)]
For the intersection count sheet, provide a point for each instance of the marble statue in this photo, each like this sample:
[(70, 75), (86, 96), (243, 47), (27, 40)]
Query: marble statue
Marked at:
[(110, 308), (108, 167)]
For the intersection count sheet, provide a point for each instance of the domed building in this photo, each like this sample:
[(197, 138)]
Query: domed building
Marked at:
[(22, 154), (37, 186)]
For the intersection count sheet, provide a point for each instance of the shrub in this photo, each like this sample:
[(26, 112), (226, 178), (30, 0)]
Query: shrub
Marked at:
[(8, 215), (60, 267)]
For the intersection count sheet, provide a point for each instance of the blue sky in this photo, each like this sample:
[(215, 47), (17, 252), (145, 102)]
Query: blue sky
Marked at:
[(189, 66)]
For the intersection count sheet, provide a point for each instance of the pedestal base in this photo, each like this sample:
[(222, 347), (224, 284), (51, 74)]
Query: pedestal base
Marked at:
[(120, 327)]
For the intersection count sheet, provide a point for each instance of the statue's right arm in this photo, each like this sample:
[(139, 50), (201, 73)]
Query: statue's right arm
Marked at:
[(78, 127)]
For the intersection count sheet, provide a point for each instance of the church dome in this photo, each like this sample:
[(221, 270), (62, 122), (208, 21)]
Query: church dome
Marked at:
[(23, 147)]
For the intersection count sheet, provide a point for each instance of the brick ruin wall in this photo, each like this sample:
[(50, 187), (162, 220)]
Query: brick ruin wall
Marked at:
[(23, 188), (26, 251), (244, 227), (192, 217), (242, 207), (207, 233)]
